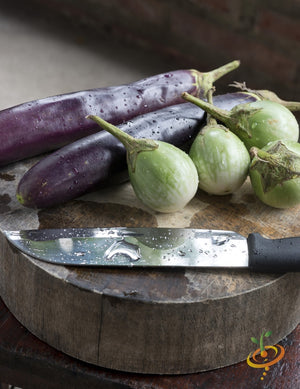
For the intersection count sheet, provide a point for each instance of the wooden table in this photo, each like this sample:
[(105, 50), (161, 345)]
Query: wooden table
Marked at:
[(27, 362)]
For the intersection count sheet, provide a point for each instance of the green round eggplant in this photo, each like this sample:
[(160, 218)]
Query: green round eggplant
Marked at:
[(275, 174), (163, 177), (221, 159), (256, 123), (264, 122)]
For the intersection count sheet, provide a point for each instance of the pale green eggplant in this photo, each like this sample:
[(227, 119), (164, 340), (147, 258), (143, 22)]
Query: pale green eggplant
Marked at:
[(256, 123), (163, 177), (275, 173), (221, 159)]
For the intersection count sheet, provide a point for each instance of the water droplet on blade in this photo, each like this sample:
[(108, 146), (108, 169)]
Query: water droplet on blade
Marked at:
[(123, 248), (219, 240)]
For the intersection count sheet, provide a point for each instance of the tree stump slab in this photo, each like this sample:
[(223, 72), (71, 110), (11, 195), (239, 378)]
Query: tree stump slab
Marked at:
[(140, 320)]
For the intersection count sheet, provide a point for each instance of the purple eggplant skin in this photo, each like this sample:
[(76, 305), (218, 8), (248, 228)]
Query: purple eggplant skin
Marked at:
[(47, 124), (43, 125), (91, 162)]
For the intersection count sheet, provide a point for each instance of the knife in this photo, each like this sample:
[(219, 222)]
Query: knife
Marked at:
[(158, 247)]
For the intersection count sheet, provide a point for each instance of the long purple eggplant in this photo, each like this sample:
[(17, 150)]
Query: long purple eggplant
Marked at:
[(42, 125), (90, 162)]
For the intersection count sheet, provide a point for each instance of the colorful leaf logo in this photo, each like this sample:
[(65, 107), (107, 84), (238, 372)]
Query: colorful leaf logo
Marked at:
[(269, 355)]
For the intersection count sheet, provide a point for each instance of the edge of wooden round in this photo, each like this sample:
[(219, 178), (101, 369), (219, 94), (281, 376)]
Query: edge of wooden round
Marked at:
[(133, 334)]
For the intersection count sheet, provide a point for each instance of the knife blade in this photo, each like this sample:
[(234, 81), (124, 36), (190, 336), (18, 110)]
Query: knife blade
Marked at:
[(158, 247)]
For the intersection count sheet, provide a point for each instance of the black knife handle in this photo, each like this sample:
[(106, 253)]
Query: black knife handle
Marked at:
[(273, 255)]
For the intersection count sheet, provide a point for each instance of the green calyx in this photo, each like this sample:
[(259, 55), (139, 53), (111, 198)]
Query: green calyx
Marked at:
[(133, 146), (264, 94), (275, 165), (240, 122), (205, 81), (237, 120), (217, 113)]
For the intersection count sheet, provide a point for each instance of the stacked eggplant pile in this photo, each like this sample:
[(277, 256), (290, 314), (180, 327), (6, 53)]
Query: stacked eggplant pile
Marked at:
[(168, 131)]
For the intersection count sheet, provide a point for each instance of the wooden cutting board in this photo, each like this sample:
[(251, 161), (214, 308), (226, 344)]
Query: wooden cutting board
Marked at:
[(148, 321)]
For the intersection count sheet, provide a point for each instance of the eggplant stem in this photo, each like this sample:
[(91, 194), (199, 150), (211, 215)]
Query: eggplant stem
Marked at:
[(133, 146), (211, 121), (217, 113), (223, 70), (206, 80), (291, 105), (267, 95), (263, 155)]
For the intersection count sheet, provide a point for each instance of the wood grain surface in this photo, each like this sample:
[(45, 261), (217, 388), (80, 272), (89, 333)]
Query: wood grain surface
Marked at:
[(27, 362), (146, 321)]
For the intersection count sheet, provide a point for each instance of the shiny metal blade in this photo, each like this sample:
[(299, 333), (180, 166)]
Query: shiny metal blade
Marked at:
[(145, 247)]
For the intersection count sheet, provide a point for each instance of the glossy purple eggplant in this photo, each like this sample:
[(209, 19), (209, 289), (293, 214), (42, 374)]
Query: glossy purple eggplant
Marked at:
[(42, 125), (90, 162)]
